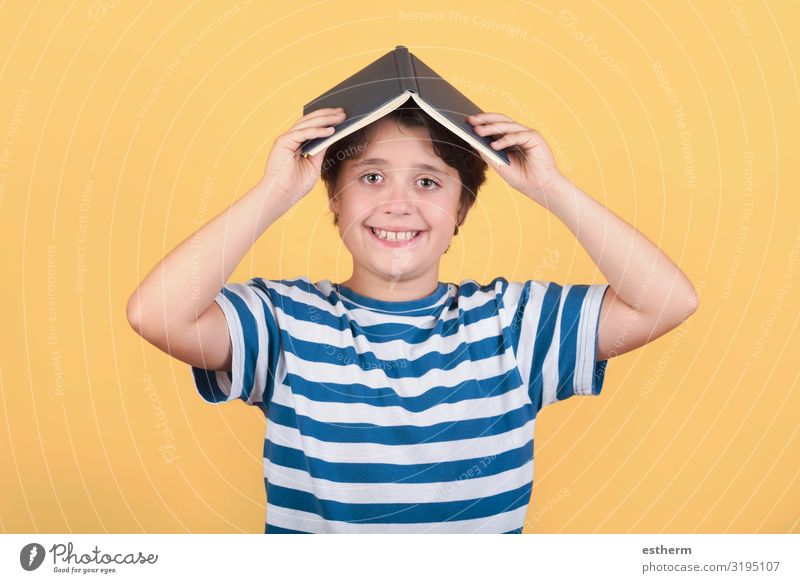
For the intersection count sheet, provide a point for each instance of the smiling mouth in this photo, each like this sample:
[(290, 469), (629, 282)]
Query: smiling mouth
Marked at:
[(398, 240)]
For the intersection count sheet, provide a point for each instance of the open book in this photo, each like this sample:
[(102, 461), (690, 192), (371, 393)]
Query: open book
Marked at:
[(384, 85)]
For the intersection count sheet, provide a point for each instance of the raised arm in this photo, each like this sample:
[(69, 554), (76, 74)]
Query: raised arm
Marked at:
[(173, 308), (649, 295)]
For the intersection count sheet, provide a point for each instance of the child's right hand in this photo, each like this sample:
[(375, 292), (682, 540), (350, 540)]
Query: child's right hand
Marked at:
[(289, 173)]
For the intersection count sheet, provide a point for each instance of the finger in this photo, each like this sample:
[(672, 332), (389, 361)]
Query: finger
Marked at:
[(522, 139), (320, 114), (294, 138), (488, 117), (322, 111), (328, 119), (500, 127)]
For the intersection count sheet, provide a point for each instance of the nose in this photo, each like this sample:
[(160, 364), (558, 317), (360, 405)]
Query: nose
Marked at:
[(397, 199)]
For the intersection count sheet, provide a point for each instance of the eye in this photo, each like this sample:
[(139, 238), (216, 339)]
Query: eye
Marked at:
[(431, 181), (368, 174)]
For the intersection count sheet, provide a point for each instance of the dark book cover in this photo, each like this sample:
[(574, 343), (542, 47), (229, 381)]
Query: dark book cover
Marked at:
[(382, 83)]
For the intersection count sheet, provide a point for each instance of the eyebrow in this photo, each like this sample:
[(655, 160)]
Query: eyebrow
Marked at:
[(379, 161)]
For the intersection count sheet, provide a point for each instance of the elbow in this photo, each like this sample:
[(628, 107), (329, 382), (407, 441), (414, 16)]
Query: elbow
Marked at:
[(680, 311), (138, 315), (690, 302), (134, 314), (148, 321)]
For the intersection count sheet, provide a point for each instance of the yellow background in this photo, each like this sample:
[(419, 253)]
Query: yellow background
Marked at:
[(123, 124)]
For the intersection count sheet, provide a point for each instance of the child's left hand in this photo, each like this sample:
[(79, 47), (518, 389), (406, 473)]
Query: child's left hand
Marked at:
[(532, 167)]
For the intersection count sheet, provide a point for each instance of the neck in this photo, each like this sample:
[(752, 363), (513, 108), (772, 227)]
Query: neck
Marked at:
[(377, 286)]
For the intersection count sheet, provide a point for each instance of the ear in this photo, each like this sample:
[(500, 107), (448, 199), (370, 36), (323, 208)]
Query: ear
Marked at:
[(462, 214), (333, 205)]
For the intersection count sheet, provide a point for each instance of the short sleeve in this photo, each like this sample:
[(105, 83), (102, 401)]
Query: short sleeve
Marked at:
[(254, 340), (554, 330)]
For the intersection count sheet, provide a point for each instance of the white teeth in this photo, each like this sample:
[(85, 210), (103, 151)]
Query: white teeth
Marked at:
[(393, 235)]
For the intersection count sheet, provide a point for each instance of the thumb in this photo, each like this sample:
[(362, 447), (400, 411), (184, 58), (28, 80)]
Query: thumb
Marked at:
[(315, 160)]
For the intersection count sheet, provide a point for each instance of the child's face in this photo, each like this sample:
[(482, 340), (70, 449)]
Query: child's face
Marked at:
[(387, 188)]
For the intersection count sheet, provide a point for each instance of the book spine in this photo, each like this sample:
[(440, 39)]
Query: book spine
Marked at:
[(405, 70)]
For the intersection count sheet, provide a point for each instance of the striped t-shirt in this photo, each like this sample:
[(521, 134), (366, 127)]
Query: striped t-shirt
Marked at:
[(403, 417)]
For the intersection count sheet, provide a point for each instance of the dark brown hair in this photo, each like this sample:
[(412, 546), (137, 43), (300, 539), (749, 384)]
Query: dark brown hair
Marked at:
[(453, 151)]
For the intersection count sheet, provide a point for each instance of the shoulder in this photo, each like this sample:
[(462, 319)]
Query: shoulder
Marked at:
[(283, 293), (286, 286)]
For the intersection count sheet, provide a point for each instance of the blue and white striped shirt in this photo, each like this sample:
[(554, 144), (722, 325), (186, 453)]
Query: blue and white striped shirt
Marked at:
[(403, 417)]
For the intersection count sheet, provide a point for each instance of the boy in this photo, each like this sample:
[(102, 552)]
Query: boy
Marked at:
[(395, 402)]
